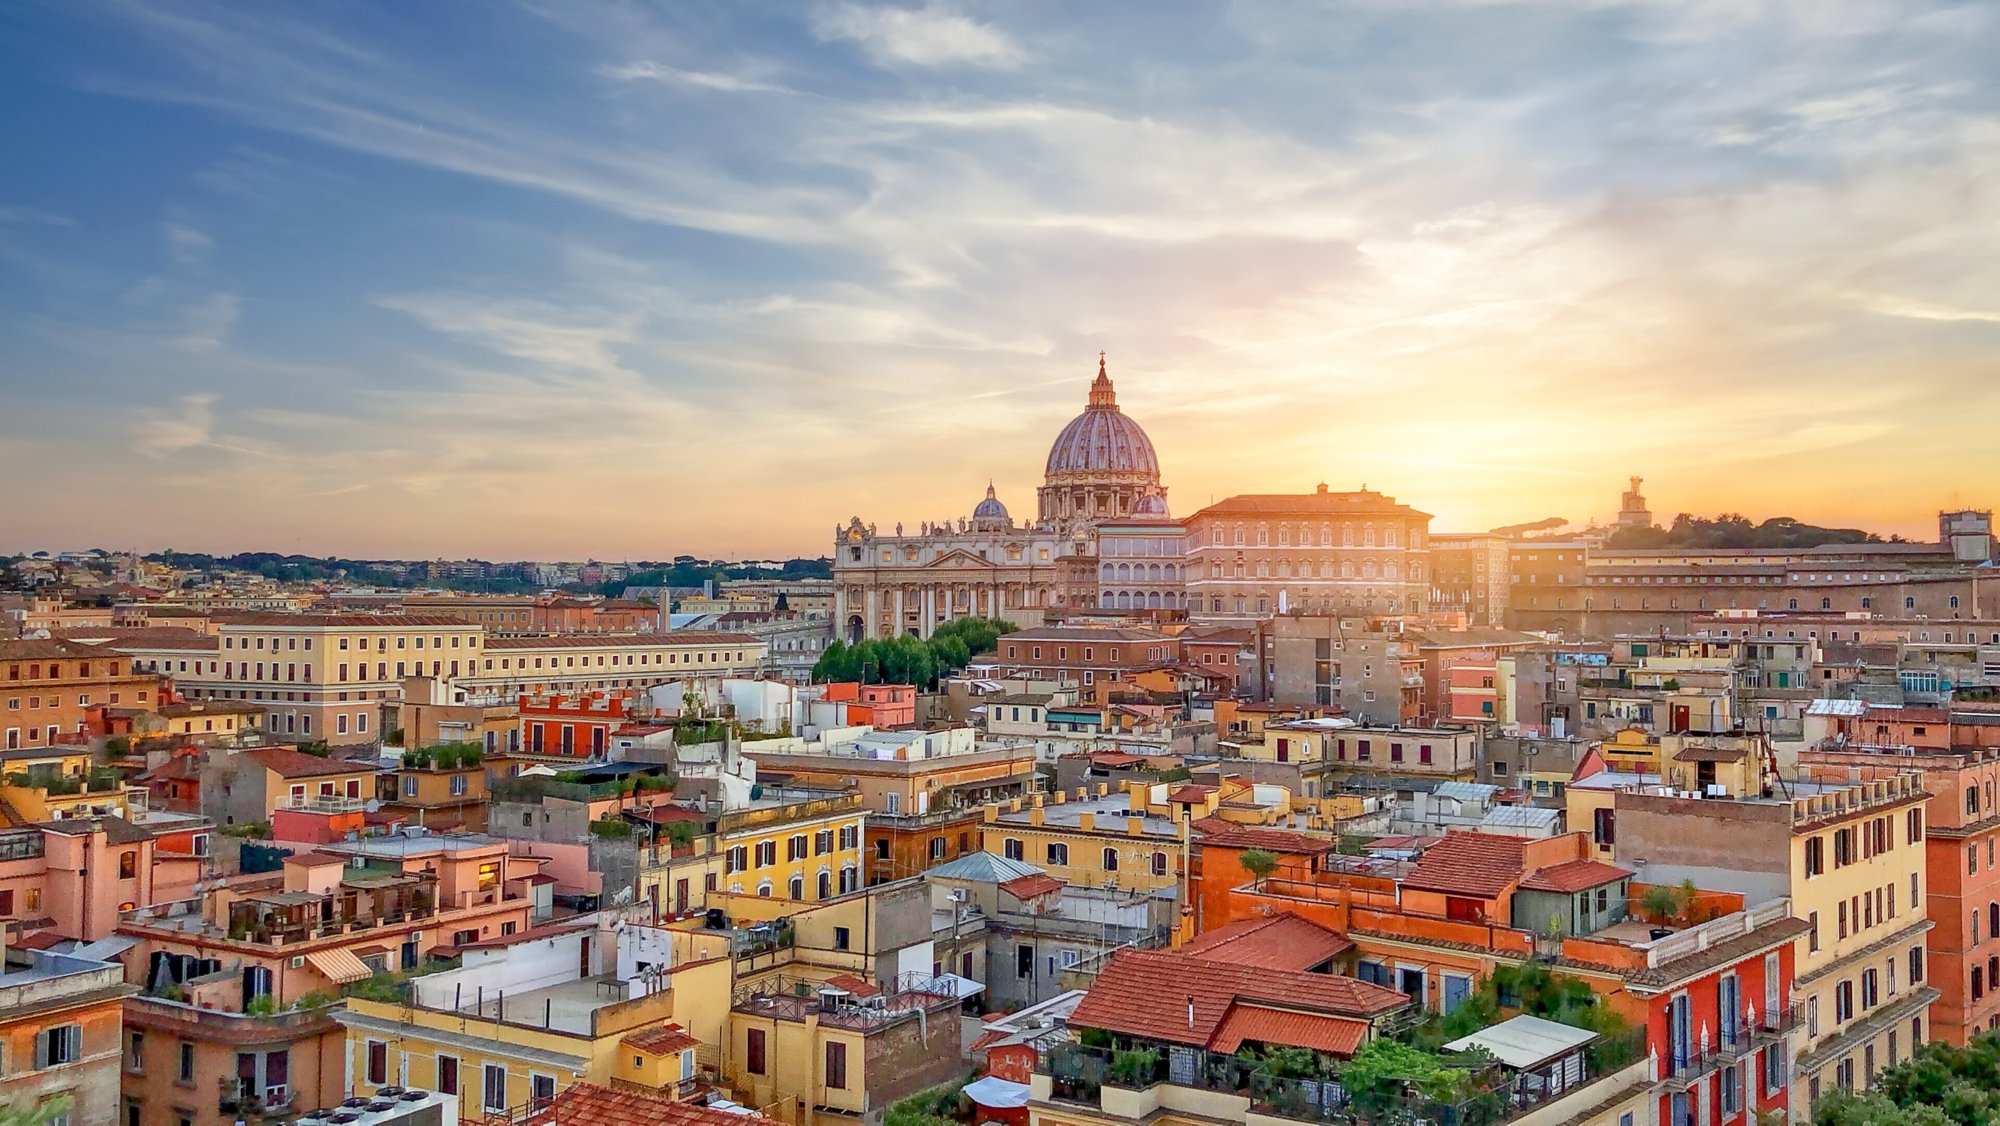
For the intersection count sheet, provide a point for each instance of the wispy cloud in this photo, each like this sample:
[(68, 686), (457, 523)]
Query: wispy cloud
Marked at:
[(929, 36), (187, 245), (696, 79), (209, 323)]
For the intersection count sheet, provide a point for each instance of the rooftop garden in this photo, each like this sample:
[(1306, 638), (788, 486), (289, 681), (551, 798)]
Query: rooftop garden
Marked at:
[(1400, 1075), (391, 988), (444, 756)]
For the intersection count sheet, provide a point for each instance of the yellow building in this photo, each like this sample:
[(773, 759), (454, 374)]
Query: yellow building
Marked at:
[(838, 1013), (51, 783), (530, 1014), (1632, 750), (1128, 839), (793, 844), (440, 787)]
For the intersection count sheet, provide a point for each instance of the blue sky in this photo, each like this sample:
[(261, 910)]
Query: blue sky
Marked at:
[(568, 279)]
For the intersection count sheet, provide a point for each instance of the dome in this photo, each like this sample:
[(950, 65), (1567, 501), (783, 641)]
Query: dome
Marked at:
[(1102, 440), (990, 508), (1152, 504)]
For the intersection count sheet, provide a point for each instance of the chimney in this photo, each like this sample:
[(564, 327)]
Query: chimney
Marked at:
[(1086, 822), (1190, 1010), (1135, 826), (1035, 814)]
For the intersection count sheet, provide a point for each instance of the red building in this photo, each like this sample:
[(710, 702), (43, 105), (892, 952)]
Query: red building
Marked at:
[(573, 726)]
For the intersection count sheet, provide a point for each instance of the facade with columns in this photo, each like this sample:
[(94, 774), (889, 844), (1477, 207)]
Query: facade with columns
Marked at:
[(1101, 469)]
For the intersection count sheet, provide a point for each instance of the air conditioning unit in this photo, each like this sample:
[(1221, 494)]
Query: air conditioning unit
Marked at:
[(298, 961)]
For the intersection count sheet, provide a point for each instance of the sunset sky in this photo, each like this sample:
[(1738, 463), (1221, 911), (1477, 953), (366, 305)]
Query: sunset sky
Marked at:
[(563, 279)]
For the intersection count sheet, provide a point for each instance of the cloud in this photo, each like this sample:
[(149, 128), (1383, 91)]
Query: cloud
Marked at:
[(188, 424), (187, 245), (698, 79), (209, 323), (929, 36), (33, 215)]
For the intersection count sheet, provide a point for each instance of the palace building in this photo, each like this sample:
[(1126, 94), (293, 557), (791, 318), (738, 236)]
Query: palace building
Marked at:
[(1101, 470)]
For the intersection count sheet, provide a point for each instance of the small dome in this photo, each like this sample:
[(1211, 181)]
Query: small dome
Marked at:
[(1152, 504), (990, 508)]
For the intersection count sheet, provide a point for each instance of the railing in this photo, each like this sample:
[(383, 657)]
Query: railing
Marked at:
[(1683, 1068), (326, 803), (1493, 1094), (1777, 1023)]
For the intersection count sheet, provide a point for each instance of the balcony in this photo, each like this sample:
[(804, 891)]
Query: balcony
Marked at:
[(1688, 1065)]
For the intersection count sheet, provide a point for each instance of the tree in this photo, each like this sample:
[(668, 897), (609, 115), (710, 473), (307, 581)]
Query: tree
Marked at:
[(1939, 1085), (24, 1115), (1258, 863)]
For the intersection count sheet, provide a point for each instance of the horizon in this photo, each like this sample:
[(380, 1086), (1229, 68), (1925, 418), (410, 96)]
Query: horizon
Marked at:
[(510, 283)]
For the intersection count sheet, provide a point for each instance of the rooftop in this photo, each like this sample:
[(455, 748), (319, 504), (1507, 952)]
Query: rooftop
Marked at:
[(1284, 941), (1484, 865), (1217, 1005), (1111, 811)]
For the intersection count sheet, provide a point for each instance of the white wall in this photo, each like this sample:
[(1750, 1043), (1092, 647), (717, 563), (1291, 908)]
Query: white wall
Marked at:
[(515, 969)]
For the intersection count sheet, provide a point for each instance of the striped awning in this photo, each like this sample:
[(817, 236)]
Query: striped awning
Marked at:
[(339, 965)]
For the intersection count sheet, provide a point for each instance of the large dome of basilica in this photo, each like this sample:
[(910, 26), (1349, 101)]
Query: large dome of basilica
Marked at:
[(1101, 465), (1103, 439)]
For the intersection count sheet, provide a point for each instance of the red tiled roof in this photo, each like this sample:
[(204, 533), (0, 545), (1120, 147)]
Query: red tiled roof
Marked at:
[(1228, 834), (1116, 758), (288, 763), (1133, 995), (1189, 793), (587, 1104), (661, 1039), (1573, 877), (1294, 1030), (1284, 941), (1028, 887), (1484, 865), (854, 985), (315, 856)]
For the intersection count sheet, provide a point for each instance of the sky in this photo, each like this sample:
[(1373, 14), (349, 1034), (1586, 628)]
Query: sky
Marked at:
[(577, 279)]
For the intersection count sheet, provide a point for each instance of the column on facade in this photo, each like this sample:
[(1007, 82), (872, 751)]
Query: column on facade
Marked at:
[(930, 612), (840, 611), (898, 631), (874, 611)]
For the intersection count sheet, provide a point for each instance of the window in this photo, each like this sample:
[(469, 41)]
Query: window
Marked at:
[(60, 1045), (541, 1091), (836, 1064), (186, 1072), (378, 1064), (1111, 860), (1011, 848), (1058, 853), (447, 1075), (1159, 864), (842, 937), (1024, 960), (1843, 1000), (493, 1087), (1815, 857), (1916, 964), (753, 1051), (135, 1052)]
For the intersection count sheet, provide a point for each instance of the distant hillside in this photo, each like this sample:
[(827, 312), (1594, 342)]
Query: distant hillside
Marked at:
[(1733, 530)]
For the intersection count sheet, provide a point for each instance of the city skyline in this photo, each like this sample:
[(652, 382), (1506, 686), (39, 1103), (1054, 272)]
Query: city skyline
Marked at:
[(593, 282)]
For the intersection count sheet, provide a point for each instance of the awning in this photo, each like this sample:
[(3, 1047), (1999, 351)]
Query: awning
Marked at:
[(954, 985), (997, 1093), (339, 965)]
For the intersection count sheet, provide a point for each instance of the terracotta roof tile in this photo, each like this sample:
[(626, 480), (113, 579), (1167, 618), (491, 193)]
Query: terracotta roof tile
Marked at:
[(1130, 995), (1334, 1035), (1573, 877), (587, 1104), (288, 763), (1228, 834), (1028, 887), (661, 1039), (1484, 865), (1189, 793), (1284, 941)]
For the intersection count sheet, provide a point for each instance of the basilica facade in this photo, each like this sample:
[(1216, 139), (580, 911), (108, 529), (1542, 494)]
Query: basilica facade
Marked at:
[(1101, 472)]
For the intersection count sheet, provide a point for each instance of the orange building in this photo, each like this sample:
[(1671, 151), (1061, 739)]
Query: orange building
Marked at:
[(71, 878), (59, 1033), (1714, 999), (579, 726), (875, 705), (50, 687), (613, 615)]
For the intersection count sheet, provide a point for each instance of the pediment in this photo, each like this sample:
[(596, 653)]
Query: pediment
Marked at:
[(959, 559)]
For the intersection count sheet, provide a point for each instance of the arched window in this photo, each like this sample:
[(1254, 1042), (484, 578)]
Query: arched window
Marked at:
[(798, 887), (1111, 860), (1791, 604), (764, 889), (1909, 603), (1954, 601), (1160, 865), (825, 884)]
